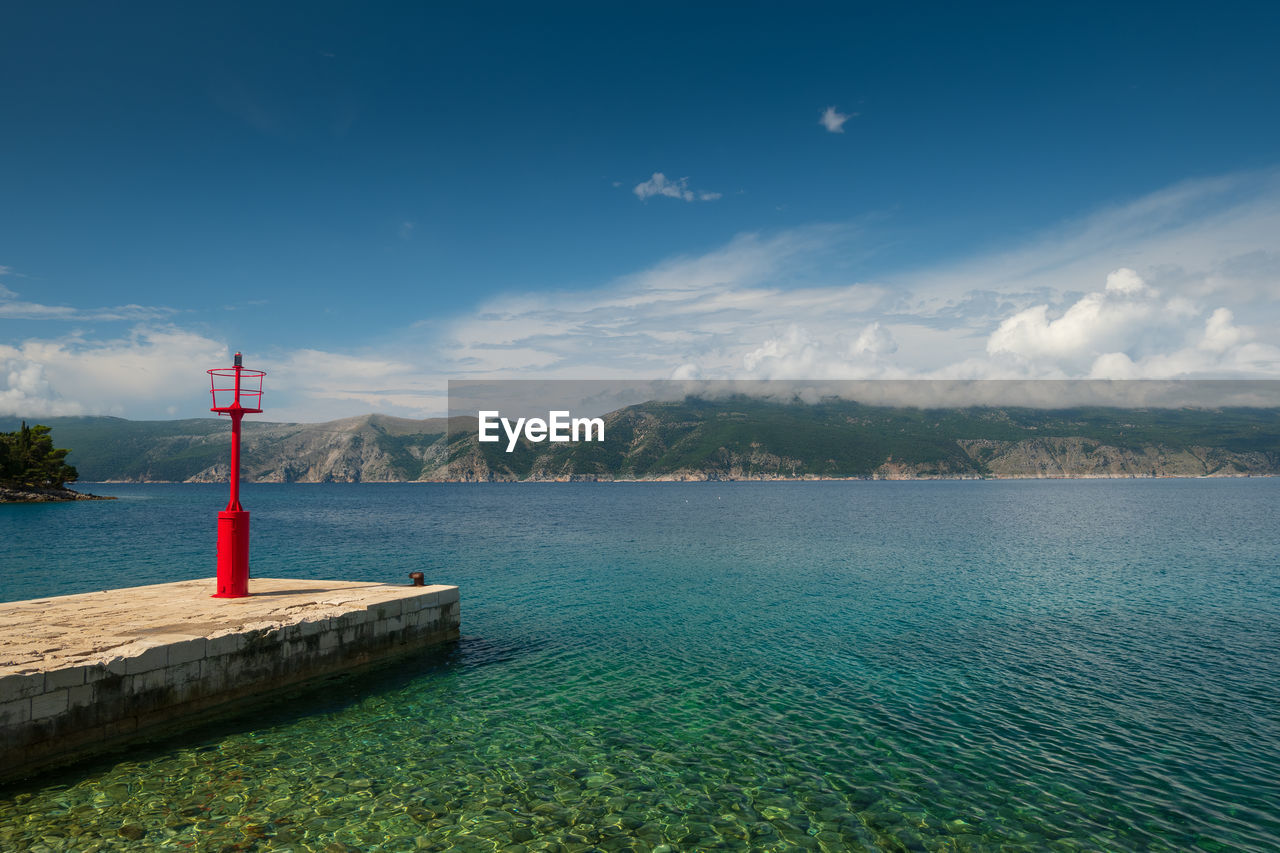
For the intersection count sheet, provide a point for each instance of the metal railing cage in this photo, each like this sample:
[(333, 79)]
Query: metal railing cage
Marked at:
[(222, 385)]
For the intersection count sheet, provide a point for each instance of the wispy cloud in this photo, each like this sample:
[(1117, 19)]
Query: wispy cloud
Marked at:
[(1183, 283), (405, 230), (660, 185), (833, 120), (13, 308)]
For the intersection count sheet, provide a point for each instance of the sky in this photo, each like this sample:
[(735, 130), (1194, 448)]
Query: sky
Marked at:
[(368, 200)]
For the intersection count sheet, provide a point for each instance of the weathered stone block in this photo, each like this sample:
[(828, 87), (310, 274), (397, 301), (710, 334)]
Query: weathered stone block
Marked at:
[(213, 674), (153, 658), (187, 651), (48, 704), (387, 609), (182, 674), (355, 618), (153, 679), (13, 687), (15, 712), (225, 645), (98, 671), (117, 666), (72, 676), (448, 596), (81, 696), (310, 628)]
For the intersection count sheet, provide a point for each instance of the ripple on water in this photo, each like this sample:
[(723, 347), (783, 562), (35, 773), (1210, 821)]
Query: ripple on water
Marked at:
[(785, 676)]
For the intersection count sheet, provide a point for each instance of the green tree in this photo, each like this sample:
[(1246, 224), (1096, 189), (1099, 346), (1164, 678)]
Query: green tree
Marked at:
[(28, 457)]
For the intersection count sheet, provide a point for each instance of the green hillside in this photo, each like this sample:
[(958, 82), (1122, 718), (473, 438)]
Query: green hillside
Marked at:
[(746, 438)]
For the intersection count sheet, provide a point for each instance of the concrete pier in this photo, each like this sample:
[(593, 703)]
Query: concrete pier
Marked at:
[(80, 674)]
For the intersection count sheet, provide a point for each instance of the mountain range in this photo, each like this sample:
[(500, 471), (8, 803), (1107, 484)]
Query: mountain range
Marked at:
[(737, 438)]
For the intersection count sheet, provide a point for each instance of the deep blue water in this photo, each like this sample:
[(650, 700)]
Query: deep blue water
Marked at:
[(847, 665)]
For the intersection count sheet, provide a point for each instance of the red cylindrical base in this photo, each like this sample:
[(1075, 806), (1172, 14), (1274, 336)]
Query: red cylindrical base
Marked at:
[(233, 554)]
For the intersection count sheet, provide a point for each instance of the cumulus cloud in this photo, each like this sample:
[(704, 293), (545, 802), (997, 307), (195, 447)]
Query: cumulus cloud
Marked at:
[(26, 391), (139, 374), (833, 120), (797, 353), (1220, 333), (1098, 322), (873, 341), (1128, 330), (661, 185), (1127, 282)]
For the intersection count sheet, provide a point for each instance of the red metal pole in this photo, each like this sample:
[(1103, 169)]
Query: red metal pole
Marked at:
[(234, 502)]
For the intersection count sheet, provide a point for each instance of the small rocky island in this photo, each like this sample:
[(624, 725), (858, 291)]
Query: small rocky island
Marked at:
[(32, 470)]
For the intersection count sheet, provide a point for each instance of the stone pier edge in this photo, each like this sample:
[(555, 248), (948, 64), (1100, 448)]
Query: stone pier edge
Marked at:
[(60, 716)]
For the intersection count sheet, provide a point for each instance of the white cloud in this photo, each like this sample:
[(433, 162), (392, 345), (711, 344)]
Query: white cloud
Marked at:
[(1058, 306), (11, 308), (660, 185), (1098, 322), (1128, 331), (26, 391), (1182, 283), (798, 353), (135, 375), (317, 385), (1195, 239), (873, 341), (1126, 281), (833, 120), (1220, 334)]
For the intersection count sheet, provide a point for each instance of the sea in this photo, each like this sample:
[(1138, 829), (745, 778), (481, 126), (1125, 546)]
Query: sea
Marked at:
[(1060, 665)]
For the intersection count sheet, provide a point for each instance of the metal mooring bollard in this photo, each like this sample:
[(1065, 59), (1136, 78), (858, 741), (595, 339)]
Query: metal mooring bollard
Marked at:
[(417, 579)]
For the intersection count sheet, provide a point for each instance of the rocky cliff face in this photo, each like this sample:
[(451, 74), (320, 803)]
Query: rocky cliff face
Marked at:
[(1083, 457), (309, 456)]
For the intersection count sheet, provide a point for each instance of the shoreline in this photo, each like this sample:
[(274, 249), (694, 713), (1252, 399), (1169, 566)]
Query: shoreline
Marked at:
[(33, 495)]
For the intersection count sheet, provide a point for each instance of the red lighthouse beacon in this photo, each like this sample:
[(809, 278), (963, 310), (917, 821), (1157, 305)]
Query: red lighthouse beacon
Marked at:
[(237, 391)]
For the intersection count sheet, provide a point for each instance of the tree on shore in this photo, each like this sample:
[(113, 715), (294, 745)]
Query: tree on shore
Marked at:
[(28, 458)]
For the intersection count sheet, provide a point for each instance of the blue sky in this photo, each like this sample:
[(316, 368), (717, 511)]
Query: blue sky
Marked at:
[(369, 199)]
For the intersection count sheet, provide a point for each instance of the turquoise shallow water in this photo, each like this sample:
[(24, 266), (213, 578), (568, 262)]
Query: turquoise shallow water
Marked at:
[(1084, 665)]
